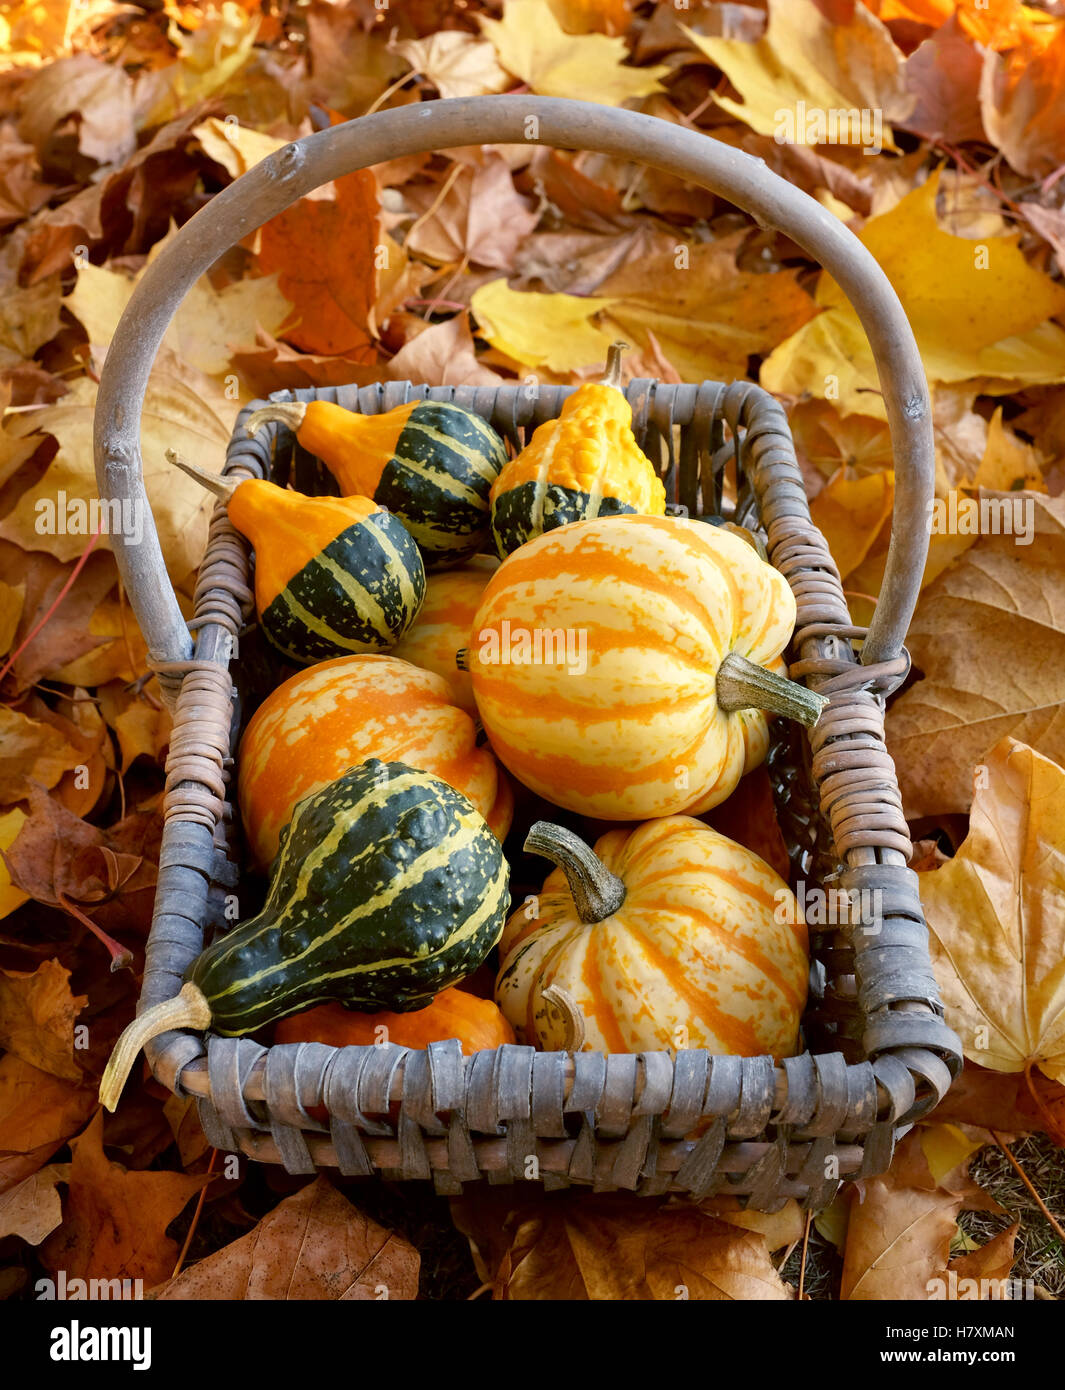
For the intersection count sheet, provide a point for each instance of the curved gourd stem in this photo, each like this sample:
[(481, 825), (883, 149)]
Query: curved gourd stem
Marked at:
[(743, 684), (187, 1009), (573, 1019), (291, 413), (597, 893), (613, 365), (221, 487)]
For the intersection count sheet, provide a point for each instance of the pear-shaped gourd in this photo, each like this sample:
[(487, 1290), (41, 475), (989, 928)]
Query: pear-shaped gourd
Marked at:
[(388, 887), (333, 575), (431, 463)]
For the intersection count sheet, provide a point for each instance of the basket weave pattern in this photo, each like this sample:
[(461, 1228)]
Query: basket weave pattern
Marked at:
[(654, 1122)]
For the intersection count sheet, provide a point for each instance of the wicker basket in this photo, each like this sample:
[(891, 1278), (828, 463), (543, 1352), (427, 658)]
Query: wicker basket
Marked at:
[(688, 1122)]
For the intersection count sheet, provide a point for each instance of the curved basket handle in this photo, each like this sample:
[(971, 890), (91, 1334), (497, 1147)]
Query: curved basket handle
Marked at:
[(285, 176)]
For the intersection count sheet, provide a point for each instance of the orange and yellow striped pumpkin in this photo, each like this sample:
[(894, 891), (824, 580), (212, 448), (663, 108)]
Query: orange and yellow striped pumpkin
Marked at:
[(443, 625), (667, 936), (338, 714), (597, 656)]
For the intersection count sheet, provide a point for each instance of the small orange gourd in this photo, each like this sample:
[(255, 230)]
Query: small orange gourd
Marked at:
[(477, 1023)]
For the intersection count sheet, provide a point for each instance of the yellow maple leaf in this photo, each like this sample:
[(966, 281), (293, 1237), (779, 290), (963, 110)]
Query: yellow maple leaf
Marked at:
[(996, 916), (827, 66), (209, 323), (554, 331), (236, 147), (977, 309), (533, 45)]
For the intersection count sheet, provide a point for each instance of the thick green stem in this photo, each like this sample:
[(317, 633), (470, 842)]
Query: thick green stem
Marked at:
[(742, 684), (597, 893), (289, 413), (221, 487), (613, 365), (187, 1009)]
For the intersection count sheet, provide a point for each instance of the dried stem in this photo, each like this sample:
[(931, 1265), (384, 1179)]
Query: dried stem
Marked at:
[(1054, 1223), (743, 684), (613, 365), (188, 1009), (289, 413), (221, 487), (597, 893)]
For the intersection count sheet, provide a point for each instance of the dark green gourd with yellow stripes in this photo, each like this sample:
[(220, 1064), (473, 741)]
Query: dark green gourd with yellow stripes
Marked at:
[(334, 576), (432, 463), (387, 888)]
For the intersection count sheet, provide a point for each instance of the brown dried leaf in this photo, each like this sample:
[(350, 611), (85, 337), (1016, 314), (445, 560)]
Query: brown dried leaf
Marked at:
[(481, 216), (901, 1224), (37, 1013), (996, 917), (609, 1248), (456, 63), (314, 1245), (38, 1113), (99, 94), (989, 637), (66, 635), (31, 752), (114, 1225), (1006, 1101), (323, 252), (943, 73), (442, 355), (33, 1209), (707, 315)]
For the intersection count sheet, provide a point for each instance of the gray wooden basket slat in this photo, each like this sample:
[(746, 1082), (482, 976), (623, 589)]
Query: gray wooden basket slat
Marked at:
[(683, 1122)]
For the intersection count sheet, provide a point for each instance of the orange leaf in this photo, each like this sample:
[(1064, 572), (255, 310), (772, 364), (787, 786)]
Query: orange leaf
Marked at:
[(324, 251), (37, 1012), (115, 1222), (315, 1245)]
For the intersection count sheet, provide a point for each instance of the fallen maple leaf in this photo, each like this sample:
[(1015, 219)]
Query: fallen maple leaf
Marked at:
[(541, 330), (324, 252), (314, 1245), (1021, 101), (458, 64), (901, 1224), (707, 315), (974, 313), (442, 355), (33, 1209), (533, 46), (177, 415), (114, 1222), (32, 752), (996, 917), (480, 217), (99, 94), (37, 1013), (38, 1113), (943, 74), (828, 64), (236, 147), (208, 326), (988, 637), (1006, 1101), (573, 1246)]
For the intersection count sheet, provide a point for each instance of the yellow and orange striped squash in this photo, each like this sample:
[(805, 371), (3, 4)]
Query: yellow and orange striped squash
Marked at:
[(707, 949), (594, 658), (338, 714), (443, 625)]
